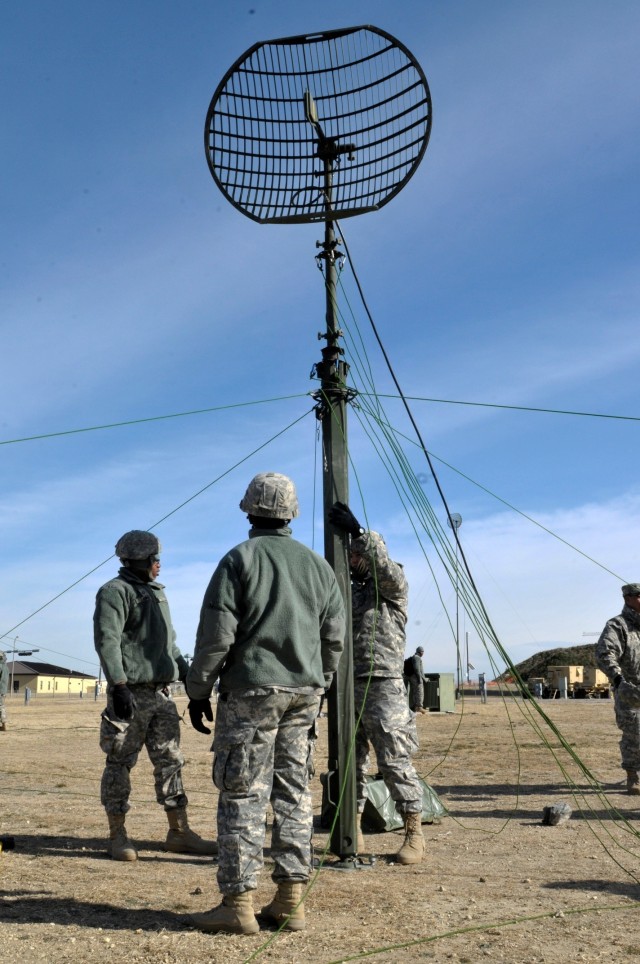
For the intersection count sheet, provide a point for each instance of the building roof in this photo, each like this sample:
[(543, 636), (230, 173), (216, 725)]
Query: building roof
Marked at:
[(19, 668)]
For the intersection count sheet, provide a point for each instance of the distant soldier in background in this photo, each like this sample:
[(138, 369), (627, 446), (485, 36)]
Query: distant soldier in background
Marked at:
[(271, 630), (414, 676), (379, 595), (4, 686), (135, 640), (618, 655)]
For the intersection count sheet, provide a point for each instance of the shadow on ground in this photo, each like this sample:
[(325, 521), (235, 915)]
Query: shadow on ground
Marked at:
[(618, 888), (38, 907), (94, 848)]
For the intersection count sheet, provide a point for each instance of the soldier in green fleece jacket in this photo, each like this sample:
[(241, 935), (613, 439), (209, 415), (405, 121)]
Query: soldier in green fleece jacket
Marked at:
[(271, 630), (135, 641)]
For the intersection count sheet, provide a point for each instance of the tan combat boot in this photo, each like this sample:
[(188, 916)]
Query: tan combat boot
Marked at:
[(412, 849), (633, 783), (119, 846), (287, 907), (181, 839), (233, 916)]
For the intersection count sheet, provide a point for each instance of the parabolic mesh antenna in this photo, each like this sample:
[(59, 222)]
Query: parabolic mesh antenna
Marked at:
[(355, 100)]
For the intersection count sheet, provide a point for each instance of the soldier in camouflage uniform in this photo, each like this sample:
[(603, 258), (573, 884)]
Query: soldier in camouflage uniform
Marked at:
[(618, 655), (379, 594), (271, 631), (415, 680), (135, 641), (4, 686)]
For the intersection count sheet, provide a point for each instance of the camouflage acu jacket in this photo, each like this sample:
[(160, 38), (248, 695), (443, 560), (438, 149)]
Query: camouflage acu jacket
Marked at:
[(618, 649), (379, 609)]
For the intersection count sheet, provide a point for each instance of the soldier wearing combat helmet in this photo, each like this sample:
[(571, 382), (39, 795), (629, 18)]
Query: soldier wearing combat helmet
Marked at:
[(618, 655), (135, 641), (271, 631), (379, 603)]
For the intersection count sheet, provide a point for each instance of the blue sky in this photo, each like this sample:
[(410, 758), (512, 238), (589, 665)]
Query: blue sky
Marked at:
[(505, 273)]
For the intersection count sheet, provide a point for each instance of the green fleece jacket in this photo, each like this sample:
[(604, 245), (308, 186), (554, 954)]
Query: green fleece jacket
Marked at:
[(272, 615), (133, 633)]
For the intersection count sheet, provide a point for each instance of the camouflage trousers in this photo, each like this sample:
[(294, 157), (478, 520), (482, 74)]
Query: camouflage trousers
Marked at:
[(628, 722), (262, 747), (389, 726), (156, 725), (3, 712), (416, 692)]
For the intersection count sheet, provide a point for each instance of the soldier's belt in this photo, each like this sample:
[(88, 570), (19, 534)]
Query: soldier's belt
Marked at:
[(148, 686)]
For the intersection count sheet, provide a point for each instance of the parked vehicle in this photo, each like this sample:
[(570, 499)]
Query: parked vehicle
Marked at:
[(580, 682)]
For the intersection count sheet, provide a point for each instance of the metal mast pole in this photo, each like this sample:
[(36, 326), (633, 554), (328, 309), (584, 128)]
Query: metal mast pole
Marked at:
[(263, 159), (332, 409)]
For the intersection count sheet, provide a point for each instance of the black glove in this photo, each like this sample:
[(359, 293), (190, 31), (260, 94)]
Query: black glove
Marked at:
[(198, 709), (341, 516), (617, 680), (123, 701)]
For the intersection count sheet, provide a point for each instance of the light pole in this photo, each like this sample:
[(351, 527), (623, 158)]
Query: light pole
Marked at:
[(455, 521), (466, 656), (20, 652), (13, 663)]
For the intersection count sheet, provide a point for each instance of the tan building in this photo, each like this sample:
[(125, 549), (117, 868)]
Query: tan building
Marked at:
[(45, 679)]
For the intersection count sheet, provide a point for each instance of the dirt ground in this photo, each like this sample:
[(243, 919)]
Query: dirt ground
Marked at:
[(496, 883)]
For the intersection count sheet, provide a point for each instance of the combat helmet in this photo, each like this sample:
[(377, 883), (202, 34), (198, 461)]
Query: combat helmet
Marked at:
[(138, 544), (631, 589), (272, 496)]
